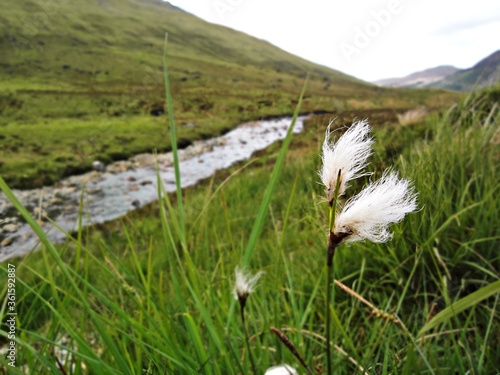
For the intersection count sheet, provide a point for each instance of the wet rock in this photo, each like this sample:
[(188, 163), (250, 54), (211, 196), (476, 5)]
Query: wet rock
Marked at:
[(131, 179), (98, 166), (65, 191), (27, 235), (7, 241), (93, 177), (53, 212), (55, 200), (199, 148), (10, 228), (8, 220), (166, 159), (120, 166), (94, 191), (146, 182), (37, 211), (58, 194), (136, 203), (142, 160)]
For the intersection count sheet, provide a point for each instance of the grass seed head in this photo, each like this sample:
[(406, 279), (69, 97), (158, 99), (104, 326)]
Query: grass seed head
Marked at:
[(348, 155), (245, 284), (281, 370), (369, 214)]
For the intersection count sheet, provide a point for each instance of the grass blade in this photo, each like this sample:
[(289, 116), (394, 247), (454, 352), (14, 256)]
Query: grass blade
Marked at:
[(67, 273), (264, 206), (461, 305), (173, 136)]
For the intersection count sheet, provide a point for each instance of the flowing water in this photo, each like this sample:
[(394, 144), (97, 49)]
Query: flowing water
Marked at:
[(127, 185)]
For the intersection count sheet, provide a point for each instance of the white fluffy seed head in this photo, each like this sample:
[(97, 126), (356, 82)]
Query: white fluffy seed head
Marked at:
[(281, 370), (245, 283), (369, 214), (348, 154)]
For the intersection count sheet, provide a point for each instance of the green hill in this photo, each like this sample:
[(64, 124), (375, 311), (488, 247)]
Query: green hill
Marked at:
[(84, 81), (485, 73)]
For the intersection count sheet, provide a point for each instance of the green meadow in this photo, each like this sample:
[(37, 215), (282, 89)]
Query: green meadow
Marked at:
[(151, 293)]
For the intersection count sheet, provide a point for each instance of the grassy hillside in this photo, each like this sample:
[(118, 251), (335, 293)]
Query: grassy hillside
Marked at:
[(147, 294), (485, 73), (84, 81)]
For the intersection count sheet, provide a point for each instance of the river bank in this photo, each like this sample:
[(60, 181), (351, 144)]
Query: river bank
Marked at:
[(112, 191)]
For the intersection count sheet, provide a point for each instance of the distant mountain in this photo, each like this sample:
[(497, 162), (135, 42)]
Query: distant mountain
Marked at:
[(485, 73), (420, 79)]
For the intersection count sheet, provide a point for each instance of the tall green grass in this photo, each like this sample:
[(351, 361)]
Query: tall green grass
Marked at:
[(151, 294)]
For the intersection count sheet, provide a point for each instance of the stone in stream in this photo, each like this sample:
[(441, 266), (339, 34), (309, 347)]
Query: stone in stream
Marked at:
[(99, 166), (10, 228), (55, 200), (120, 166), (7, 241), (39, 212), (142, 160)]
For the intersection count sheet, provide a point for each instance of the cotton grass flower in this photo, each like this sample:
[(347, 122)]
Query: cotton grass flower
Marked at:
[(348, 155), (244, 285), (281, 370), (369, 214), (366, 216)]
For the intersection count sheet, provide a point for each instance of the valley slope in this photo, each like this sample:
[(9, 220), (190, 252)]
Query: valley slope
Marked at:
[(84, 81)]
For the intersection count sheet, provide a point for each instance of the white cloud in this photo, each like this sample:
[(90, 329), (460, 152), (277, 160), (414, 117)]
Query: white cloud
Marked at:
[(401, 36)]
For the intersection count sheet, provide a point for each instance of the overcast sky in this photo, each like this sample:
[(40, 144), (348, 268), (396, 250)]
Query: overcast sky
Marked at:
[(369, 39)]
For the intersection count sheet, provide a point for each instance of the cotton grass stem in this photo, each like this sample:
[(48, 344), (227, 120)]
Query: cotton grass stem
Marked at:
[(244, 285), (329, 278), (332, 244), (247, 339), (366, 216)]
